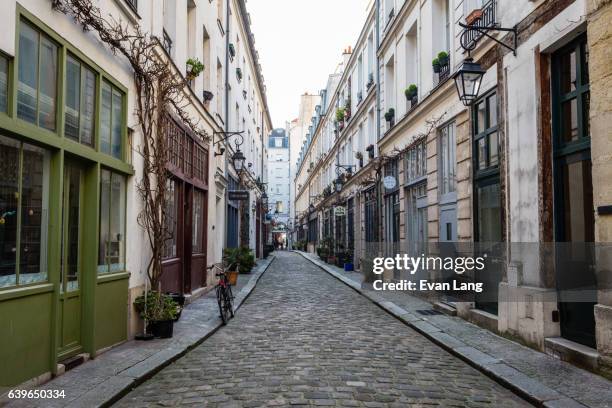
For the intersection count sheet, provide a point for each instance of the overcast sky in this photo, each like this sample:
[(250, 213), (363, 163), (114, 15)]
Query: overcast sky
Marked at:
[(300, 43)]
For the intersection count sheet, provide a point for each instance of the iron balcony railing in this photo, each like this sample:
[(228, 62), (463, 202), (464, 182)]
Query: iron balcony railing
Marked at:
[(487, 19)]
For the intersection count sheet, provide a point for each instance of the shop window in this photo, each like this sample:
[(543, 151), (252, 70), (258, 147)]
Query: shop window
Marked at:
[(111, 120), (37, 78), (3, 84), (198, 222), (171, 220), (80, 102), (112, 223), (24, 201)]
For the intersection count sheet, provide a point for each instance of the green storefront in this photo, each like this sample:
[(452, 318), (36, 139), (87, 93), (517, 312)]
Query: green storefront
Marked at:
[(64, 170)]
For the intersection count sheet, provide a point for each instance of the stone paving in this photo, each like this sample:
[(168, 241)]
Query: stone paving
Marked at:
[(304, 338), (540, 377)]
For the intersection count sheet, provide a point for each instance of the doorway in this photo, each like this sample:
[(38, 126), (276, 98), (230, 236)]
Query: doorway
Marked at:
[(573, 205), (70, 296)]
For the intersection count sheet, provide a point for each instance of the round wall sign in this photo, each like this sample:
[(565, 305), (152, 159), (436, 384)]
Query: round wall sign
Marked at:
[(389, 182)]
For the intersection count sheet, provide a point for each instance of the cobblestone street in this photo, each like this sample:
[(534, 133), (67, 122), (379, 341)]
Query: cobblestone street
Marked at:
[(303, 338)]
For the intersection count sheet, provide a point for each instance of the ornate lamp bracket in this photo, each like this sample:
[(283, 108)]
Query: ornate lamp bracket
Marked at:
[(469, 44)]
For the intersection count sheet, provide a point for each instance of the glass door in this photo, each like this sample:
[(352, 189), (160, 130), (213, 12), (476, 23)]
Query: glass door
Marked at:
[(573, 207), (70, 279)]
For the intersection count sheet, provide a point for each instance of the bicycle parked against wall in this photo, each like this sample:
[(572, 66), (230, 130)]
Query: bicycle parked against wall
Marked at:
[(225, 297)]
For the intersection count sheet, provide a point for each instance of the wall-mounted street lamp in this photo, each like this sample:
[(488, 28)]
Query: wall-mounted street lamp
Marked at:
[(342, 168), (468, 77), (238, 157)]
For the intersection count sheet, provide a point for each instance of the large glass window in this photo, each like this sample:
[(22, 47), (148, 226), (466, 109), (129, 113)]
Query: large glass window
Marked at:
[(486, 147), (111, 120), (198, 222), (447, 159), (111, 256), (3, 84), (24, 201), (171, 219), (37, 88), (415, 162), (80, 102)]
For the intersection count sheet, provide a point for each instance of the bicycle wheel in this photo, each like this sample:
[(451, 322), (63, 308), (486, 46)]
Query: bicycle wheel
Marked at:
[(221, 300), (230, 296)]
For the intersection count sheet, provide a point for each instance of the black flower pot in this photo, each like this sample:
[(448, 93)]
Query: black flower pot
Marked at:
[(162, 329), (436, 68)]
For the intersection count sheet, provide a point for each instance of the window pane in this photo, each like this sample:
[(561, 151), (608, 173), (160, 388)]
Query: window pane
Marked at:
[(117, 122), (105, 119), (116, 255), (88, 107), (48, 84), (492, 111), (72, 215), (73, 84), (3, 84), (34, 207), (569, 121), (9, 191), (482, 154), (568, 72), (198, 221), (28, 73), (481, 117), (171, 219), (493, 150), (105, 180), (489, 213)]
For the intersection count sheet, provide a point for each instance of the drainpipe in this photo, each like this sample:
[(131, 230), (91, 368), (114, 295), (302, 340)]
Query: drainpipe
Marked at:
[(378, 110), (226, 124)]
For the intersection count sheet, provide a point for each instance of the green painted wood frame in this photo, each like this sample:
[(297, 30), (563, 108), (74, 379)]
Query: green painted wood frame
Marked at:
[(61, 147)]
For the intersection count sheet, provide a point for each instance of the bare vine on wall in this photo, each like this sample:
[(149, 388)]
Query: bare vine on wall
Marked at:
[(160, 91)]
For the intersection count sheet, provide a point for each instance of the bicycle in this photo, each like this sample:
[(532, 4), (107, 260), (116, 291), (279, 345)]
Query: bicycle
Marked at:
[(225, 297)]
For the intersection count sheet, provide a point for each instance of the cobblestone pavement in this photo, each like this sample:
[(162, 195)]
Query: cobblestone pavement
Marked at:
[(303, 338)]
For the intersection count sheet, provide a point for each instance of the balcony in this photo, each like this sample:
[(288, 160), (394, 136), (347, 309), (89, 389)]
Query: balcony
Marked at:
[(482, 17)]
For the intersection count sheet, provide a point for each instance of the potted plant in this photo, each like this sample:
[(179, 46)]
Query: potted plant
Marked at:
[(474, 16), (231, 264), (340, 115), (239, 74), (359, 157), (436, 66), (246, 260), (348, 261), (411, 91), (179, 299), (443, 58), (194, 68), (159, 311), (390, 117), (232, 50), (359, 97), (412, 94), (370, 150)]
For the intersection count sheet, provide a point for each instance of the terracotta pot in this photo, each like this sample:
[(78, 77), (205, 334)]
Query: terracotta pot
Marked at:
[(474, 16)]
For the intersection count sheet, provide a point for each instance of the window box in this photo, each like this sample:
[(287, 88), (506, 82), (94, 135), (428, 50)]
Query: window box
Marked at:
[(474, 16)]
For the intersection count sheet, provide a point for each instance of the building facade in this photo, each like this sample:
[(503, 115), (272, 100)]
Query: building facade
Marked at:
[(73, 256), (513, 173), (279, 185)]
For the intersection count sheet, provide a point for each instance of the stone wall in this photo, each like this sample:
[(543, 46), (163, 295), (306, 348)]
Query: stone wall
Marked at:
[(599, 33)]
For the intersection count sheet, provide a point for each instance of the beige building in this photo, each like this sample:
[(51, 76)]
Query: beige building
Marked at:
[(512, 173)]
